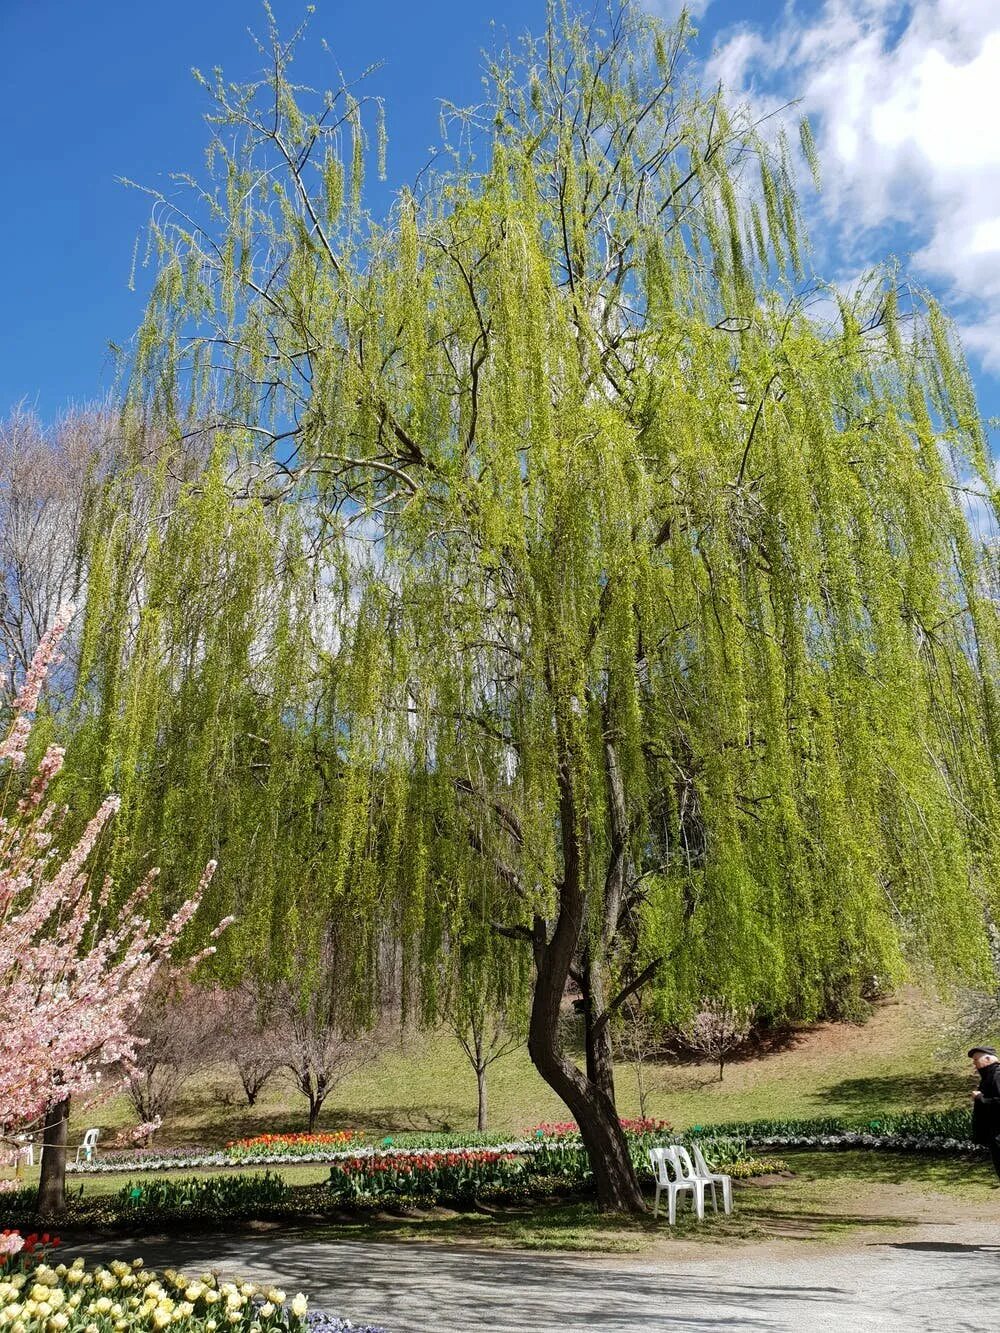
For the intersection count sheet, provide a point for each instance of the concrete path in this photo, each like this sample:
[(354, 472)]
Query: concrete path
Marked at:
[(947, 1280)]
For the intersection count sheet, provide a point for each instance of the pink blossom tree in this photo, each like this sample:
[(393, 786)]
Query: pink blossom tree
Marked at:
[(719, 1029), (72, 980)]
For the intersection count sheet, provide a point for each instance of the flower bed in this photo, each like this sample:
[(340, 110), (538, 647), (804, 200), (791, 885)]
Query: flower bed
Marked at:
[(38, 1297), (570, 1130), (277, 1147), (146, 1160), (206, 1198), (458, 1176)]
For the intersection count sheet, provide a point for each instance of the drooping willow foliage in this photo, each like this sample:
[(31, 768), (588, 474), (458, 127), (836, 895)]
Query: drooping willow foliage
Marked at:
[(569, 578)]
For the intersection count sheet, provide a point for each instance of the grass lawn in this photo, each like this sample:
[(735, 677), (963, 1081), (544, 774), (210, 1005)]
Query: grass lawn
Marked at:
[(425, 1083), (830, 1198)]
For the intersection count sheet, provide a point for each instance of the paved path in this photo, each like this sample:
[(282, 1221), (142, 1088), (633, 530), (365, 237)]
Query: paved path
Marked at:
[(947, 1281)]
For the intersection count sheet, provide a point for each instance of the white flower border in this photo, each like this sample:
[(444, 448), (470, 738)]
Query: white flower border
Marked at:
[(219, 1159), (890, 1142)]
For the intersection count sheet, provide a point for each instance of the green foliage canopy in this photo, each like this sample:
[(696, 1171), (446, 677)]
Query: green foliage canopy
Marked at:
[(557, 554)]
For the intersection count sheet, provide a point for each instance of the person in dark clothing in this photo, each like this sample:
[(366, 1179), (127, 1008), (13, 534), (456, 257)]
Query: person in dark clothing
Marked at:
[(986, 1102)]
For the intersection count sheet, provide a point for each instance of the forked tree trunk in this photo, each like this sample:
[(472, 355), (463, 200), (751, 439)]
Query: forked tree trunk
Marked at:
[(594, 1111), (52, 1182), (592, 1107), (597, 1035)]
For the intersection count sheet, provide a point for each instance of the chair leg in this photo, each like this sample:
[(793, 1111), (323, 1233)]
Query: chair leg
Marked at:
[(656, 1203), (698, 1199), (672, 1207), (715, 1202)]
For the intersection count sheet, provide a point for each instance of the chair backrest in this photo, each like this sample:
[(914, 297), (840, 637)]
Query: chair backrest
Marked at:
[(90, 1138), (699, 1160), (682, 1160), (658, 1159)]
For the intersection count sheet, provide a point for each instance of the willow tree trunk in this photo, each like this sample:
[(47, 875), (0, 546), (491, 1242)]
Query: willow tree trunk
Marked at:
[(52, 1182), (596, 1032), (594, 1110)]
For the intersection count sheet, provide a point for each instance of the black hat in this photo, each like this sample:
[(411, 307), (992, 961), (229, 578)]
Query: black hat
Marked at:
[(982, 1050)]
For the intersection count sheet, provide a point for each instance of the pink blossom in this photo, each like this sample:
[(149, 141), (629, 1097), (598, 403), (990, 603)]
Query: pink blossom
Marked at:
[(71, 985), (45, 657), (137, 1133), (51, 763)]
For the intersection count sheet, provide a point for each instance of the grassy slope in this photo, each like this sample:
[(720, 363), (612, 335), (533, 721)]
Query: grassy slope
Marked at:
[(426, 1084)]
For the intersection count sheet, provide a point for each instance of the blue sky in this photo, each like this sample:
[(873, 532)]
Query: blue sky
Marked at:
[(905, 96)]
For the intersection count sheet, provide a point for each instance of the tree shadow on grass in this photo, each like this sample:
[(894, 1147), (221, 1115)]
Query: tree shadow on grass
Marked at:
[(802, 1224), (203, 1120), (881, 1092), (919, 1170)]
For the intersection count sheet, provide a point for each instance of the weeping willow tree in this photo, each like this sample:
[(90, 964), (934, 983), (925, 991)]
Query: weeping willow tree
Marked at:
[(569, 567)]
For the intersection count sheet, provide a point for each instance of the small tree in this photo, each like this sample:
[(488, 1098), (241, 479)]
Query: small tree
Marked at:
[(486, 1030), (319, 1044), (178, 1028), (638, 1037), (250, 1036), (72, 981), (718, 1030)]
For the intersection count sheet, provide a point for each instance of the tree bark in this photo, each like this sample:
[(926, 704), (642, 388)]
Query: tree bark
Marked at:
[(594, 1110), (52, 1182), (596, 1035), (482, 1109)]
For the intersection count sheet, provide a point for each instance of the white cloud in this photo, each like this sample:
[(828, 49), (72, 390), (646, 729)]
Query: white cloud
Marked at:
[(905, 100), (670, 10)]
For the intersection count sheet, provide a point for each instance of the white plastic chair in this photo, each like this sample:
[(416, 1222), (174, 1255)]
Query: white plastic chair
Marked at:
[(663, 1161), (24, 1149), (700, 1184), (89, 1145), (717, 1177)]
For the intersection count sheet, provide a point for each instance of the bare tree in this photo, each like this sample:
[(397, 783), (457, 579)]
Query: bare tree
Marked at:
[(319, 1045), (487, 1030), (718, 1030), (252, 1036), (43, 483), (180, 1025), (638, 1036)]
